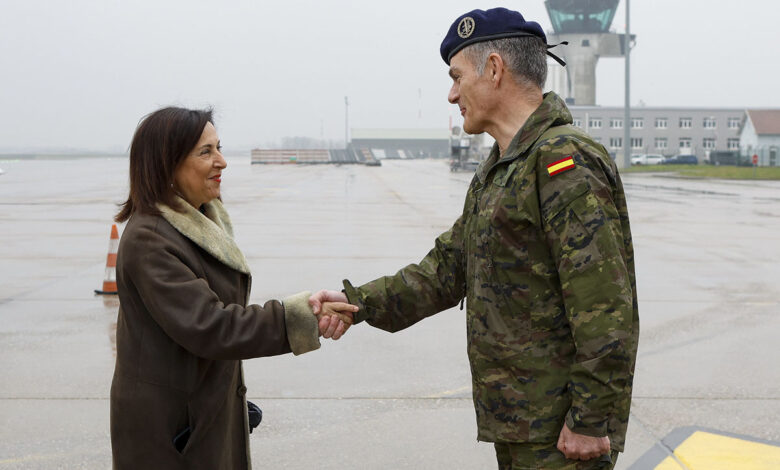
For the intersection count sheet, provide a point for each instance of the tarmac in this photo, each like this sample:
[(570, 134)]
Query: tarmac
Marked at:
[(707, 257)]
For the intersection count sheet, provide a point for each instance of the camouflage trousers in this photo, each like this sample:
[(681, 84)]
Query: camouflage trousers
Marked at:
[(513, 456)]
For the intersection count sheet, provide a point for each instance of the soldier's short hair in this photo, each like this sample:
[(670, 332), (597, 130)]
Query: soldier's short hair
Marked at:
[(525, 57)]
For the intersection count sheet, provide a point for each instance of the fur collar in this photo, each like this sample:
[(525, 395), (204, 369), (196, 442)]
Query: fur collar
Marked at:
[(211, 231)]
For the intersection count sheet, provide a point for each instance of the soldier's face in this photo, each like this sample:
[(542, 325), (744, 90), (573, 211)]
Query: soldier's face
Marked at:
[(470, 92)]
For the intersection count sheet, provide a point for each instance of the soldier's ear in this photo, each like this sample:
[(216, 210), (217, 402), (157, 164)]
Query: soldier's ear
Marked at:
[(495, 67)]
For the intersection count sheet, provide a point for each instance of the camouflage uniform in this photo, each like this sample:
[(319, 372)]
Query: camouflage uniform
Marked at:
[(547, 266), (546, 456)]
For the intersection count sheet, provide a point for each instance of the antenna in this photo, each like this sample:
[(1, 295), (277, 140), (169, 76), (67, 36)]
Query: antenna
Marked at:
[(419, 103)]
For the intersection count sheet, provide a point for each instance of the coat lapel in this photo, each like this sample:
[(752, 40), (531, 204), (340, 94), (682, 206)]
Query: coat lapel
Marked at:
[(210, 230)]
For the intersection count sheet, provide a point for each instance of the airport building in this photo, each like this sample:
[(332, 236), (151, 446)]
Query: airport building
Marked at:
[(760, 136), (665, 131), (368, 146), (668, 131), (585, 26), (402, 143)]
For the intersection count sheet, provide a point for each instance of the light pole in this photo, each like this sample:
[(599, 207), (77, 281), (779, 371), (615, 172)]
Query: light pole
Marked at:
[(346, 122), (627, 115)]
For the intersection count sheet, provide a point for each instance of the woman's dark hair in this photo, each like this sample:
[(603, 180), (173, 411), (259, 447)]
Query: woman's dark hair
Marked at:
[(161, 141)]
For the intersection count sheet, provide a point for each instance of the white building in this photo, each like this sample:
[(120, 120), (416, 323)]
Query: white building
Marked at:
[(760, 135), (663, 130)]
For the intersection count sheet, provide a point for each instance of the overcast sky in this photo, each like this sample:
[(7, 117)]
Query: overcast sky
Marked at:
[(81, 73)]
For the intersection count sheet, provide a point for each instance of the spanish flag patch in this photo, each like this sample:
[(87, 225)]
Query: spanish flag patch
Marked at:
[(560, 166)]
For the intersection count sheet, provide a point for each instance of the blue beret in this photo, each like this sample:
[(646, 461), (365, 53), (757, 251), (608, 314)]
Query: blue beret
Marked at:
[(486, 25)]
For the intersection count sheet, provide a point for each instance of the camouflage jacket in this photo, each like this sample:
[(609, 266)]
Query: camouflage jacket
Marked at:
[(546, 263)]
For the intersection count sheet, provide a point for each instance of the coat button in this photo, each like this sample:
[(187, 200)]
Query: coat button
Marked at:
[(241, 391)]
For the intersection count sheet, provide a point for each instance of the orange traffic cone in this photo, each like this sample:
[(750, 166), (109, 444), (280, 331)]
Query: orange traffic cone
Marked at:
[(109, 284)]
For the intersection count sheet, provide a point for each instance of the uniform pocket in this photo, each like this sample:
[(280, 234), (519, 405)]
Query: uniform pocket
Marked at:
[(560, 199), (576, 227)]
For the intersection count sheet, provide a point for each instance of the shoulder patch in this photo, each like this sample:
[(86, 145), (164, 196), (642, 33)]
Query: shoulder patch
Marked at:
[(561, 165)]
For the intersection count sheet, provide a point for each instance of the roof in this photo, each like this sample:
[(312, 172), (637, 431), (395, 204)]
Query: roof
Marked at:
[(582, 107), (765, 121)]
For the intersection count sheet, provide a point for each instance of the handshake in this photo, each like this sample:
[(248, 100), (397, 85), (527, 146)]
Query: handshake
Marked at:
[(334, 312)]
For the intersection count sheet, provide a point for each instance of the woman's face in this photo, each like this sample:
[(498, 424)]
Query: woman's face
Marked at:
[(199, 175)]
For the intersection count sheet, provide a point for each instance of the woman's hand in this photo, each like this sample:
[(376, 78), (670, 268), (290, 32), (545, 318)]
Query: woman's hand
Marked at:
[(337, 320), (316, 300), (335, 317)]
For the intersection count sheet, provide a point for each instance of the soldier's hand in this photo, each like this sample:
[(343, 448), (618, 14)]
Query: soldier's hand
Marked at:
[(335, 318), (317, 299), (329, 326), (580, 447)]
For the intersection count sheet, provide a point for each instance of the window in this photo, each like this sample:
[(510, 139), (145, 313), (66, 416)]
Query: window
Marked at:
[(660, 143), (616, 142), (637, 123), (708, 143), (616, 123), (577, 123), (661, 123), (685, 123), (734, 122), (773, 156), (595, 123), (733, 144), (685, 142), (709, 123), (636, 142)]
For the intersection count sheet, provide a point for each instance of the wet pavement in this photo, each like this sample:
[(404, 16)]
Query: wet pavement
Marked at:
[(709, 291)]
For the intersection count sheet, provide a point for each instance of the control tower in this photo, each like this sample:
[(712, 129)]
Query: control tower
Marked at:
[(585, 25)]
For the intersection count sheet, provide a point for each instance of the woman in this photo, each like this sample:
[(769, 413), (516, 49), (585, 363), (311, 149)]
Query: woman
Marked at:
[(178, 394)]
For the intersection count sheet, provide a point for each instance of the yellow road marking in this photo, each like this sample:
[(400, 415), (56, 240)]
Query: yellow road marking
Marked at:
[(707, 451)]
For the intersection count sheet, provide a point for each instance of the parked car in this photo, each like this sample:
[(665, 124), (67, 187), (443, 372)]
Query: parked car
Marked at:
[(647, 159), (724, 157), (682, 160)]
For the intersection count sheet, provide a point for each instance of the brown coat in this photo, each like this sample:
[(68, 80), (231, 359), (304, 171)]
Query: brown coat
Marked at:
[(183, 327)]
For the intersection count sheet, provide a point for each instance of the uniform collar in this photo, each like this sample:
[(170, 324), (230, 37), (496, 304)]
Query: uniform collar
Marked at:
[(552, 112)]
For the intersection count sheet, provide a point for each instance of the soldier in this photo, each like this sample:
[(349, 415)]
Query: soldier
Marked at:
[(542, 253)]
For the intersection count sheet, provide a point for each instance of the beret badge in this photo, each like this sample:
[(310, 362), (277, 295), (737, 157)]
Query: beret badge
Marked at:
[(466, 27)]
